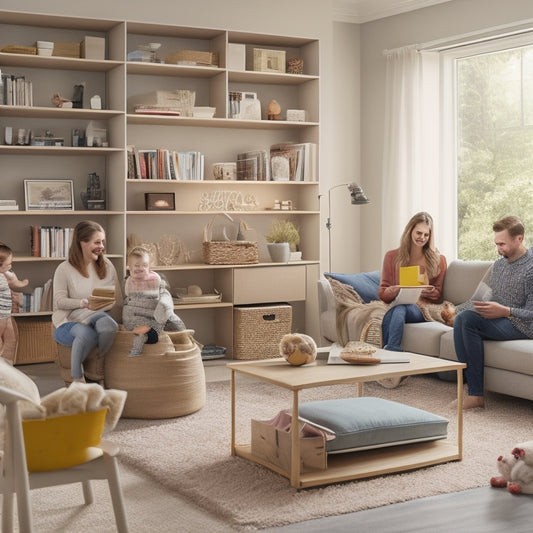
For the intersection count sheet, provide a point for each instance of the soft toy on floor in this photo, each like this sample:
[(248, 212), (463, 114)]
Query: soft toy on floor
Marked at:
[(516, 470)]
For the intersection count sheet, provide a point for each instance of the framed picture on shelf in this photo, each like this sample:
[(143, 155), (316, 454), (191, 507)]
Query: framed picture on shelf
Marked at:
[(48, 194), (159, 201)]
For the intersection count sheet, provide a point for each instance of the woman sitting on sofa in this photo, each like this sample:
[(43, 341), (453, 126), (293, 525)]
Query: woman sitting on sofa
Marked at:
[(416, 249)]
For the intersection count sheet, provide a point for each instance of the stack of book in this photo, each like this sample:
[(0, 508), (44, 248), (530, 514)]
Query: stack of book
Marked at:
[(163, 164), (8, 205)]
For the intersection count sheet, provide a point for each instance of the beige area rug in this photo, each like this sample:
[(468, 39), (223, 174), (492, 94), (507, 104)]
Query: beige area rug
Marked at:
[(191, 455)]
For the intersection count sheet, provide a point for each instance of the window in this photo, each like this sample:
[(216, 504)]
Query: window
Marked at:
[(494, 141)]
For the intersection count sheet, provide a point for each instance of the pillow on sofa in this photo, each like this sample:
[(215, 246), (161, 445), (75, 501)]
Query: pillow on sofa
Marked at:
[(366, 284)]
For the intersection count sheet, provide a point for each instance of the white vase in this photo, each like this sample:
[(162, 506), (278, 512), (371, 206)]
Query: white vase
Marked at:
[(280, 252)]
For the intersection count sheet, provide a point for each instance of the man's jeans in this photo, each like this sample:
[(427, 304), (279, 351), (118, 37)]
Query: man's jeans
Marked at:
[(469, 331)]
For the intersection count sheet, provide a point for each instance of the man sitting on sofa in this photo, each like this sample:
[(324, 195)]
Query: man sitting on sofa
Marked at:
[(507, 311)]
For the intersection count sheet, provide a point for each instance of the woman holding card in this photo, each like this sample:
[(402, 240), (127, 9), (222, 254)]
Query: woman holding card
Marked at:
[(417, 249), (79, 319)]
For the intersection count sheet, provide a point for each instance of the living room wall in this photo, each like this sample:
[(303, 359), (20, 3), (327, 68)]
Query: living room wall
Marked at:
[(424, 25)]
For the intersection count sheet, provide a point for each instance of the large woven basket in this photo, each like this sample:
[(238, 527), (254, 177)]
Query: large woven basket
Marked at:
[(36, 343), (257, 330), (228, 252)]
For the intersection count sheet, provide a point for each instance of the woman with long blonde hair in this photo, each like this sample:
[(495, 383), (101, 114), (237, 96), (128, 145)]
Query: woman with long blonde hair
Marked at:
[(417, 248)]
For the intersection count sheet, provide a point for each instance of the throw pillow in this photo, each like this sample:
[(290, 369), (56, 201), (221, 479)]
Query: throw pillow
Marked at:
[(366, 284)]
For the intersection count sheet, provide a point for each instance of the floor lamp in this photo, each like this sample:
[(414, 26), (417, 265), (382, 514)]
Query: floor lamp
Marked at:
[(358, 197)]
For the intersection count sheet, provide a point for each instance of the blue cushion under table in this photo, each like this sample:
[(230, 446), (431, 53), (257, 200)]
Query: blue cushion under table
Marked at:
[(365, 423)]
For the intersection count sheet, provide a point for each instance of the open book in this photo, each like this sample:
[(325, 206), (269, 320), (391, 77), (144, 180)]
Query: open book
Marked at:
[(102, 298), (409, 295)]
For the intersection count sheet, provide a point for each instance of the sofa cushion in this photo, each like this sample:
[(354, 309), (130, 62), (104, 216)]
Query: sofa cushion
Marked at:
[(362, 423), (424, 337), (366, 284), (515, 355), (462, 279)]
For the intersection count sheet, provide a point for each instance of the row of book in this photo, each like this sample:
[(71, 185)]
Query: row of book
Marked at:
[(163, 164), (50, 241), (16, 90), (38, 300), (283, 162)]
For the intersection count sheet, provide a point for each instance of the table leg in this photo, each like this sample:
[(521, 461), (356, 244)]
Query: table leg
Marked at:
[(232, 412), (295, 442)]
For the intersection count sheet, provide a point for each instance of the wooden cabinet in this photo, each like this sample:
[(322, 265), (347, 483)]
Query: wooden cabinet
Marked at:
[(119, 82)]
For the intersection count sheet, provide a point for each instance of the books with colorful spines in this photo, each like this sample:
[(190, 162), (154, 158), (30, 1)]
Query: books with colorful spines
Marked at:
[(102, 298)]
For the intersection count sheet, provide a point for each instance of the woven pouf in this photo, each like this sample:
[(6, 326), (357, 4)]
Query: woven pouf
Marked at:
[(93, 366), (166, 381)]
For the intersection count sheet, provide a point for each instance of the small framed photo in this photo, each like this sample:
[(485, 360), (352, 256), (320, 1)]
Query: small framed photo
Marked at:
[(159, 201), (49, 194)]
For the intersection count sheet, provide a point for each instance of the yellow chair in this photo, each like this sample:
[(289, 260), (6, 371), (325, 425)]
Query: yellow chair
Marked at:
[(54, 451)]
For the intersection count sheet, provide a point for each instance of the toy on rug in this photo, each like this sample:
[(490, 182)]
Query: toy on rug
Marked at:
[(516, 470), (298, 349)]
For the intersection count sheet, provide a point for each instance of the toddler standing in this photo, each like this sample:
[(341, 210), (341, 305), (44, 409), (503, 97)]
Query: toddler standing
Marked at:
[(8, 281), (148, 306)]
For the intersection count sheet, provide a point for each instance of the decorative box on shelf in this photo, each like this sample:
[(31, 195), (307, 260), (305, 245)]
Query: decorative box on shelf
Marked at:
[(194, 57)]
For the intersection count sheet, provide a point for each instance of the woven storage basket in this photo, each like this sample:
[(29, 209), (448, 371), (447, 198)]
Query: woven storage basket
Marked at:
[(257, 330), (36, 343), (228, 252)]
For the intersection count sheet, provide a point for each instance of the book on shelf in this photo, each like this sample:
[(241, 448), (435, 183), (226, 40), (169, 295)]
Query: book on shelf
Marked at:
[(253, 166), (8, 205), (50, 241), (157, 110), (40, 299), (293, 161), (17, 90), (164, 164)]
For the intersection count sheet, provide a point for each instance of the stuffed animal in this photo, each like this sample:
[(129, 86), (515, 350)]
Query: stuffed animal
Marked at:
[(516, 470), (448, 313), (298, 349)]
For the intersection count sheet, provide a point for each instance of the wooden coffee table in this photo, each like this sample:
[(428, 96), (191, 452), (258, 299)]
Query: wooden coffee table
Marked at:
[(352, 465)]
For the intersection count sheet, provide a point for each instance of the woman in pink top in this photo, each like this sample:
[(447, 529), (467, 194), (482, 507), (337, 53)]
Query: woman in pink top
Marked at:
[(417, 248)]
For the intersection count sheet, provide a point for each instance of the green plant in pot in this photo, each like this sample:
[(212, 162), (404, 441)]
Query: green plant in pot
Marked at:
[(282, 238)]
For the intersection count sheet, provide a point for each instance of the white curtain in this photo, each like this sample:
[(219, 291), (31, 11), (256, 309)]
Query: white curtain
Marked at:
[(411, 169)]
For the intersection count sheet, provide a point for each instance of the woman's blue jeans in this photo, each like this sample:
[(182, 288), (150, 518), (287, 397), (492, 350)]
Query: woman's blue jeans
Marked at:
[(469, 331), (100, 331), (393, 321)]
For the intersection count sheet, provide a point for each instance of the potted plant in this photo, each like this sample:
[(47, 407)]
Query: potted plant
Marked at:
[(282, 238)]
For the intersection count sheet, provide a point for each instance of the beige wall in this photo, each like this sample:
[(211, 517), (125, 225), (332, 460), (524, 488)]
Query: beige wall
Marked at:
[(440, 21)]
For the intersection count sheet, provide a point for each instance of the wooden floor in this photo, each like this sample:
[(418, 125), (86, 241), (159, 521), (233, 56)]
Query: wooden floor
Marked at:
[(483, 510)]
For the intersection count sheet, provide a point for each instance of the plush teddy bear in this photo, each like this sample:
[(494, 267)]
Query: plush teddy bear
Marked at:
[(516, 470)]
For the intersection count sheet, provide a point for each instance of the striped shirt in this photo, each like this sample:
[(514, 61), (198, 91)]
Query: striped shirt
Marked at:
[(5, 298)]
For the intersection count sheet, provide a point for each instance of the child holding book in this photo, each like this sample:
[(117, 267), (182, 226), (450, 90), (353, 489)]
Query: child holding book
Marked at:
[(148, 306), (8, 282)]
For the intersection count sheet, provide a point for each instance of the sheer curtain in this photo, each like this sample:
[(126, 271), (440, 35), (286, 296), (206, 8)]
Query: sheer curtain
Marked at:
[(411, 164)]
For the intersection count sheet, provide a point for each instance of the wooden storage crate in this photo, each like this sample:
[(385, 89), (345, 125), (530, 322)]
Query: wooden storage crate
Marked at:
[(35, 340), (274, 445), (257, 330)]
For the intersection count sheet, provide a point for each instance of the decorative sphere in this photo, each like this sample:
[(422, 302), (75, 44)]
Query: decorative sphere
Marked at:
[(194, 290), (298, 349)]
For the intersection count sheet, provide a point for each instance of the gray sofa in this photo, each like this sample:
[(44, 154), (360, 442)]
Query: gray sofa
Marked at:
[(508, 364)]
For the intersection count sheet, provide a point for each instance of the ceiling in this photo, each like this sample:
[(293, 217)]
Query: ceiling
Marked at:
[(359, 11)]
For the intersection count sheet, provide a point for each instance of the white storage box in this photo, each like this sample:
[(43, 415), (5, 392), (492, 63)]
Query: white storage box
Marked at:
[(93, 48)]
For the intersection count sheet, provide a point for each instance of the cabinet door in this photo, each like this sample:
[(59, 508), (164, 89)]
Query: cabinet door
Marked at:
[(269, 284)]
